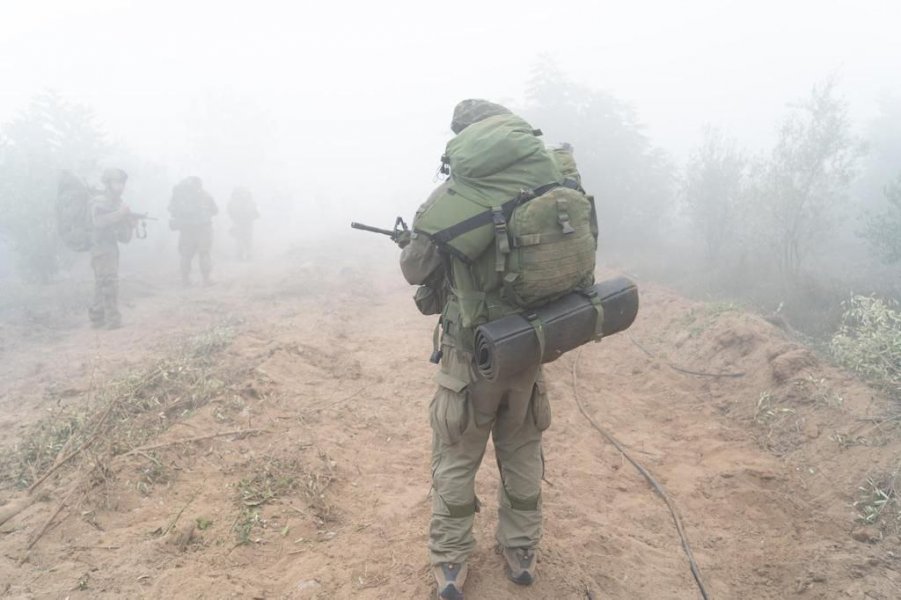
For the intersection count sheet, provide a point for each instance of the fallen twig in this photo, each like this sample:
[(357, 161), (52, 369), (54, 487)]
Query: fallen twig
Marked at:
[(59, 463), (194, 439), (178, 516), (10, 510), (47, 523)]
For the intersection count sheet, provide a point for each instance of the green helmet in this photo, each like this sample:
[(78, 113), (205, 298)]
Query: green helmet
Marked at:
[(113, 174), (474, 110)]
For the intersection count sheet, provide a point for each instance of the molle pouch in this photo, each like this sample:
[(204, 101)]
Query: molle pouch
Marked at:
[(427, 301), (449, 411), (541, 406)]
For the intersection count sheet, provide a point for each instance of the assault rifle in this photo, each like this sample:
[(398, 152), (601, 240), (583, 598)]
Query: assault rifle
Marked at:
[(139, 222), (399, 235)]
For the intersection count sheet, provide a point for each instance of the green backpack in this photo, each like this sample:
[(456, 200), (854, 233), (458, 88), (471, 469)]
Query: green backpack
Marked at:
[(73, 216), (522, 234)]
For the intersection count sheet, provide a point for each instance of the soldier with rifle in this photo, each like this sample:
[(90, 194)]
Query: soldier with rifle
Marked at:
[(112, 223)]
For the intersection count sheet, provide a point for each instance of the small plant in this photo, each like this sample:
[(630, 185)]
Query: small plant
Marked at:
[(269, 481), (869, 341), (245, 524), (878, 502), (152, 473), (276, 478), (820, 392), (766, 410)]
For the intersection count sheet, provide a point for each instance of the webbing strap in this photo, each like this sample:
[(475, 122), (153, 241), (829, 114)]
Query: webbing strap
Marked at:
[(486, 217), (436, 348), (536, 324), (502, 240), (599, 322), (533, 239)]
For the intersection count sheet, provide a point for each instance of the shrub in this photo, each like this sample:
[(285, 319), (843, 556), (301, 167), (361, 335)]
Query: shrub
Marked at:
[(869, 341)]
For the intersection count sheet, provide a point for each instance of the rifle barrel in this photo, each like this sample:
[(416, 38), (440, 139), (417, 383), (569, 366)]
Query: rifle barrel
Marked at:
[(363, 227)]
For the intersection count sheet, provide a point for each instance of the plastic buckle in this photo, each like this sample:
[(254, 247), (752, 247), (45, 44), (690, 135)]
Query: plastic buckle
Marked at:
[(500, 222)]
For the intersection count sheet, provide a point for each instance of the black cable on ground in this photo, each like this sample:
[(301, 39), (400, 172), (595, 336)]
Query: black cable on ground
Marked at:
[(678, 368), (695, 570)]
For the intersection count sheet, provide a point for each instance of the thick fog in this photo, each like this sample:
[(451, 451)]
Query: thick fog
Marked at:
[(339, 111), (353, 98)]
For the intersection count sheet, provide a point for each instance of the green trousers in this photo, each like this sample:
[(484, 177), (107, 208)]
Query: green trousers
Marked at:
[(464, 412), (105, 263), (195, 240)]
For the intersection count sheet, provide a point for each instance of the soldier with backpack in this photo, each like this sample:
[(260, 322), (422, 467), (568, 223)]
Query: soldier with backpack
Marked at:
[(111, 224), (192, 210), (506, 232)]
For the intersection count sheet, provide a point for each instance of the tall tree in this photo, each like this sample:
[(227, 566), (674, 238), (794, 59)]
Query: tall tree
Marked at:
[(713, 190), (48, 136), (883, 229), (806, 177), (630, 178)]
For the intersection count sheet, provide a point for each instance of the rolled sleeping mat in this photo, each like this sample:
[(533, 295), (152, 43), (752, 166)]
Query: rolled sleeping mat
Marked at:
[(511, 344)]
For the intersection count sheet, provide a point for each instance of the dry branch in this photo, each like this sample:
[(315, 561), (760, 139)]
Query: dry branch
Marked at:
[(194, 439)]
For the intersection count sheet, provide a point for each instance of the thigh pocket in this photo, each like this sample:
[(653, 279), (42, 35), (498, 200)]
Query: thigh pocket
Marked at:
[(449, 411), (541, 406)]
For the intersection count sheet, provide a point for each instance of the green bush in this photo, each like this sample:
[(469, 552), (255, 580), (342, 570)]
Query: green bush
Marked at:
[(869, 341)]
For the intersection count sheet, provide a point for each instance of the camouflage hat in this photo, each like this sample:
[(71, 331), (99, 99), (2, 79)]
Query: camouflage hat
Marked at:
[(113, 174), (474, 110)]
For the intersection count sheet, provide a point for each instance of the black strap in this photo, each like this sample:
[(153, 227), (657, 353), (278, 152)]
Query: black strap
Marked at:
[(444, 236)]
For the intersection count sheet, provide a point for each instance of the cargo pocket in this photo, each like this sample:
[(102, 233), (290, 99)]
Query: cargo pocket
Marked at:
[(541, 406), (449, 409)]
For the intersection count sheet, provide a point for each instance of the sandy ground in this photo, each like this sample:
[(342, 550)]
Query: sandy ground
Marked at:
[(325, 495)]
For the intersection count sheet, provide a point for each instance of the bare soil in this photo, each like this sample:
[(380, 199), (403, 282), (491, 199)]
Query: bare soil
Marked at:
[(322, 371)]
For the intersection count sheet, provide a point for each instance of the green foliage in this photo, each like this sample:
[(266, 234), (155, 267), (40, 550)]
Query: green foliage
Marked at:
[(50, 135), (883, 230), (869, 341), (631, 180), (713, 190), (878, 502)]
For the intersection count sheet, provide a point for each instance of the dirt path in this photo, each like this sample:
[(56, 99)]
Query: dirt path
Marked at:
[(329, 499)]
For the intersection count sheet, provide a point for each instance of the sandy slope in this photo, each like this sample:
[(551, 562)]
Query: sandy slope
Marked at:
[(329, 361)]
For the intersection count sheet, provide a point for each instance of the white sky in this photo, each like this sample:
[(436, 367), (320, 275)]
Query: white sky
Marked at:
[(368, 87)]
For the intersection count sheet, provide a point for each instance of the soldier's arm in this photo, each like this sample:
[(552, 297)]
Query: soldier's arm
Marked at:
[(419, 260), (103, 219)]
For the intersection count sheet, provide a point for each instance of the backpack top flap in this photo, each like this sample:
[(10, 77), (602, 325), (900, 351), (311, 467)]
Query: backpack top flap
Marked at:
[(492, 162)]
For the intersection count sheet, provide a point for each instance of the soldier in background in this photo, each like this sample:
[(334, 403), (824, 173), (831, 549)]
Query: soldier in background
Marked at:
[(111, 224), (192, 210), (243, 212)]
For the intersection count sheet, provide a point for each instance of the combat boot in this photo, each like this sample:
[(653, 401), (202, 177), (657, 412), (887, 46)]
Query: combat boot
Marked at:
[(450, 578), (521, 564)]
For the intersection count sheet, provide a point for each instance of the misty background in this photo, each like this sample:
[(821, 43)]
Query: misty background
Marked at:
[(739, 151)]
